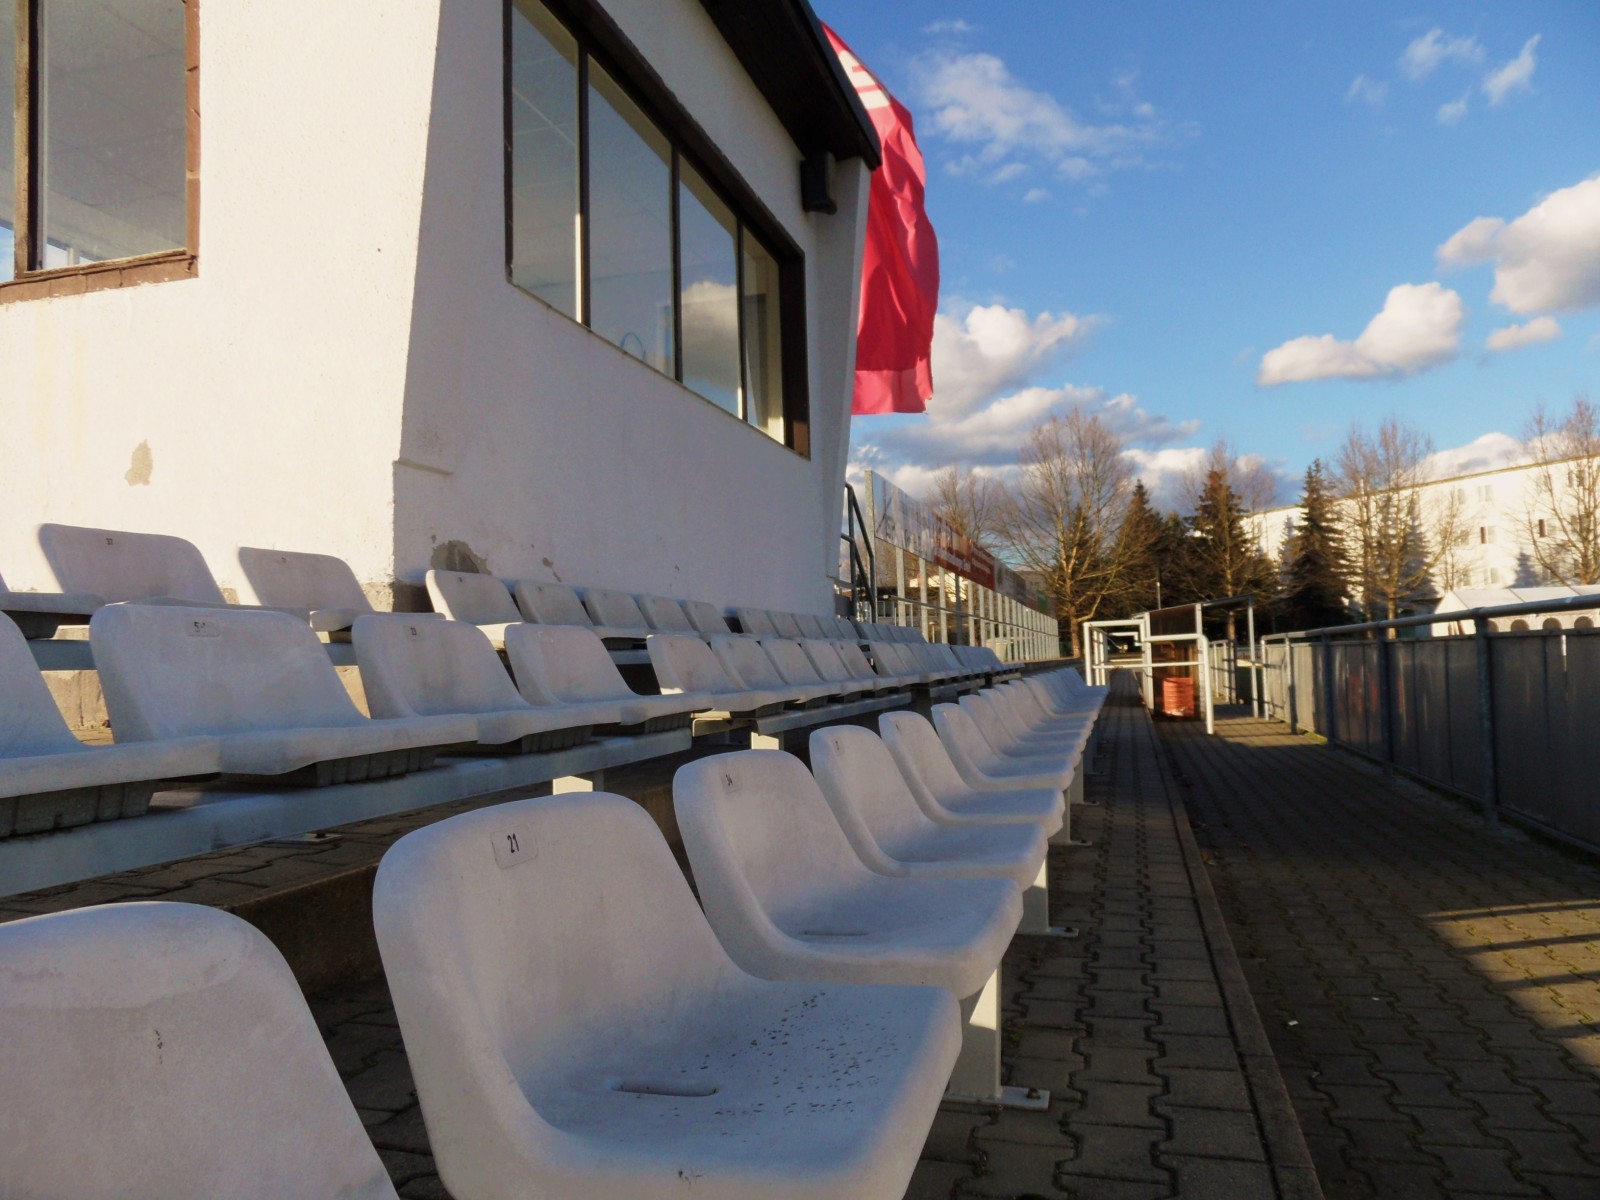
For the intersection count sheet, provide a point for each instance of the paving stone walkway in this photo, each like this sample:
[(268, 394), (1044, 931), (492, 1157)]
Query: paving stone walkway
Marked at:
[(1431, 987), (1143, 1029)]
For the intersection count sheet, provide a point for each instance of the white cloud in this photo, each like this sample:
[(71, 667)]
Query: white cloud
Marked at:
[(1423, 56), (1008, 172), (1419, 327), (994, 349), (1487, 453), (1547, 260), (1371, 92), (956, 26), (1515, 76), (975, 102), (1531, 333), (1035, 195), (1451, 114)]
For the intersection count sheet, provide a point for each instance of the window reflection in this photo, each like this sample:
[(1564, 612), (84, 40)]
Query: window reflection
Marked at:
[(763, 338), (112, 123), (630, 226), (8, 106), (708, 238), (544, 157)]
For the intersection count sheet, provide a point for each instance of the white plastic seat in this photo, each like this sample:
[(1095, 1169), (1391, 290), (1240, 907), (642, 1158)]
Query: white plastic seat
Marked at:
[(828, 663), (616, 612), (850, 654), (39, 614), (888, 829), (945, 796), (810, 626), (1034, 753), (664, 614), (1023, 715), (165, 1050), (706, 618), (476, 599), (790, 899), (259, 681), (980, 766), (756, 622), (322, 584), (415, 666), (51, 780), (746, 660), (786, 625), (575, 1029), (686, 664), (147, 568), (798, 670), (558, 604), (568, 666), (890, 662)]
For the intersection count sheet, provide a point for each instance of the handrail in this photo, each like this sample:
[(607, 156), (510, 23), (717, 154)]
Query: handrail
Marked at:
[(1488, 613), (869, 570)]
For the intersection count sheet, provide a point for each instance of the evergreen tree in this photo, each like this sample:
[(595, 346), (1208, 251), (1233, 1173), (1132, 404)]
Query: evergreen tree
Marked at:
[(1227, 561), (1315, 568), (1139, 545)]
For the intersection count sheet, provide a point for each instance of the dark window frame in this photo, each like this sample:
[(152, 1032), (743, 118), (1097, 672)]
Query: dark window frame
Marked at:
[(29, 282), (599, 38)]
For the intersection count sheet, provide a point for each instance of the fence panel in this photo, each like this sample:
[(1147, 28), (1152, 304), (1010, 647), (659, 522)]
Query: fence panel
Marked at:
[(1573, 727), (1522, 724)]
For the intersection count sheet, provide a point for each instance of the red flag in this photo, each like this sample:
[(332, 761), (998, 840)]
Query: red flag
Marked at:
[(900, 264)]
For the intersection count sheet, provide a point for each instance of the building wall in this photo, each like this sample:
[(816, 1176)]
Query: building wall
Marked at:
[(1494, 513), (352, 373), (533, 448), (260, 402)]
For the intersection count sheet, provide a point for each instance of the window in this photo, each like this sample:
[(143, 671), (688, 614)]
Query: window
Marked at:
[(96, 163), (1540, 532), (1486, 535), (612, 222)]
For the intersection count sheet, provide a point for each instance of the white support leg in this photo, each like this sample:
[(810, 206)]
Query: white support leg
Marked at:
[(976, 1078), (1036, 908), (1073, 794), (594, 781), (766, 741)]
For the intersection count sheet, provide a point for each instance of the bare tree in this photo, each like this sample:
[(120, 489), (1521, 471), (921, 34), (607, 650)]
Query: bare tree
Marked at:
[(1062, 517), (1562, 520), (1399, 532), (968, 503)]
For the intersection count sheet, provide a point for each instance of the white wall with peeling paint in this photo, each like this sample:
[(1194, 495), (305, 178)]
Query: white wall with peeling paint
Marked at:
[(265, 393), (352, 373)]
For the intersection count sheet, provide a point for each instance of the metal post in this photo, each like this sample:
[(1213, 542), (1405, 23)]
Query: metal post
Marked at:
[(1255, 667), (1288, 665), (1203, 645), (1491, 791), (1386, 704), (1330, 726)]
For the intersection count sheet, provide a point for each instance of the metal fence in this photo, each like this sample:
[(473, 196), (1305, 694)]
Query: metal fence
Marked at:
[(1508, 719)]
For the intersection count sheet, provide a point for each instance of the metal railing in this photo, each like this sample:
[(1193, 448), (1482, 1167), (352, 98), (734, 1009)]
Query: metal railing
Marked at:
[(1507, 719), (863, 572)]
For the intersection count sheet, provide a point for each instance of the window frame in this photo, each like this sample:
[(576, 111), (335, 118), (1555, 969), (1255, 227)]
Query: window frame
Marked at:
[(599, 38), (30, 283)]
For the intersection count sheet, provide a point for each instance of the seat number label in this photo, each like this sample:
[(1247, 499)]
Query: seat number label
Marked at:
[(514, 845)]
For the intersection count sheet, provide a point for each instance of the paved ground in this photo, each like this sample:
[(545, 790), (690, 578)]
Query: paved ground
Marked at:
[(1431, 989), (1161, 1078)]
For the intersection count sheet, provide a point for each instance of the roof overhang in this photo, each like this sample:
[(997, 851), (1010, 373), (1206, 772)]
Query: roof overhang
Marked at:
[(781, 45)]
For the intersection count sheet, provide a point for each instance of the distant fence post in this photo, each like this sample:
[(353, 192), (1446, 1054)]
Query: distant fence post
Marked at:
[(1288, 664), (1386, 702), (1329, 723), (1491, 791)]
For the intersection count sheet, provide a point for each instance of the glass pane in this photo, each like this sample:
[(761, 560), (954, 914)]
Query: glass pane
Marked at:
[(8, 187), (763, 338), (709, 259), (544, 157), (630, 226), (112, 126)]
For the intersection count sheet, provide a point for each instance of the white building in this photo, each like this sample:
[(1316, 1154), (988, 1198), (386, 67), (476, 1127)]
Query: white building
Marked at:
[(1497, 517), (529, 285)]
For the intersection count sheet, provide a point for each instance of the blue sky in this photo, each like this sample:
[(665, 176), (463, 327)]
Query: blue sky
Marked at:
[(1160, 209)]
